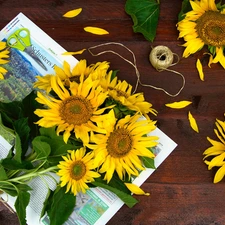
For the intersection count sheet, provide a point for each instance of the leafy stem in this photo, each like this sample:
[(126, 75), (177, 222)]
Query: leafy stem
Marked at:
[(32, 174)]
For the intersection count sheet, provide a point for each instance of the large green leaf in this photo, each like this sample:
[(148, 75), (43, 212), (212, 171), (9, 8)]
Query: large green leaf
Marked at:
[(41, 147), (23, 130), (145, 15), (21, 203), (3, 175), (62, 205), (126, 198)]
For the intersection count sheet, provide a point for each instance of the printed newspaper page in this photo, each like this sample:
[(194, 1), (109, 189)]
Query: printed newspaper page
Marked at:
[(37, 59), (98, 205)]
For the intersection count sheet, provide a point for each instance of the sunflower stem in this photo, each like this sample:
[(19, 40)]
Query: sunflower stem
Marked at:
[(32, 174)]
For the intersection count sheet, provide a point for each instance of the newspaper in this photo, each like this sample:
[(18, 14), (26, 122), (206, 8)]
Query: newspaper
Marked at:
[(98, 205)]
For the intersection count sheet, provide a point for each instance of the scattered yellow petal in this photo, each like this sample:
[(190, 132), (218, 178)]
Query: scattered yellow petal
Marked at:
[(200, 70), (74, 53), (72, 13), (178, 105), (135, 189), (193, 122), (96, 30)]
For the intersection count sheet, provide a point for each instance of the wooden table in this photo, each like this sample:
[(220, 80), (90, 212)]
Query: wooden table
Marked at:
[(181, 189)]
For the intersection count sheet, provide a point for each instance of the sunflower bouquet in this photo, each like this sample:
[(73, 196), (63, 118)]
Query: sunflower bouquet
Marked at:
[(83, 128)]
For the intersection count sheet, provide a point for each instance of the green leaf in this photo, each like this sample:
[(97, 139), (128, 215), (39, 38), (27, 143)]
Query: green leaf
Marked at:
[(23, 130), (11, 111), (148, 162), (3, 175), (49, 132), (8, 188), (11, 164), (117, 183), (62, 206), (41, 148), (23, 187), (29, 106), (46, 202), (126, 198), (18, 148), (145, 15), (21, 203), (186, 7)]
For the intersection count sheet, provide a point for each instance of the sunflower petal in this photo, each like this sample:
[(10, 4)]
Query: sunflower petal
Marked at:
[(193, 122), (96, 30), (219, 174), (74, 53), (178, 105), (72, 13), (135, 189), (200, 70)]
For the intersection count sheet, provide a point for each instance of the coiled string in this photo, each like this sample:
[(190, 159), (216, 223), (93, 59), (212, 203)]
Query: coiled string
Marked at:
[(160, 57)]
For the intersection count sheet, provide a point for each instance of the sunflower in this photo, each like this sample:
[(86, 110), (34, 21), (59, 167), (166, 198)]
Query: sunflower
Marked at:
[(4, 53), (121, 92), (122, 146), (204, 25), (77, 170), (74, 109), (217, 152), (96, 71)]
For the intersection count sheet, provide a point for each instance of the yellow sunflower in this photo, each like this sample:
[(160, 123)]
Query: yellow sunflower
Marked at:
[(204, 25), (216, 152), (77, 170), (75, 109), (121, 147), (96, 71), (121, 92), (4, 53)]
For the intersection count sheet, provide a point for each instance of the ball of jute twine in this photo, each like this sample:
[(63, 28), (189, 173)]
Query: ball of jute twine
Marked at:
[(161, 57)]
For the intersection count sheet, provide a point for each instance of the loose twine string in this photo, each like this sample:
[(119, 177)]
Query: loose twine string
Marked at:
[(161, 57), (6, 205)]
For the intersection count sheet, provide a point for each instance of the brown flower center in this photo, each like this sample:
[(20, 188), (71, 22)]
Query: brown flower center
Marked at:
[(76, 110), (119, 143), (211, 28), (78, 170)]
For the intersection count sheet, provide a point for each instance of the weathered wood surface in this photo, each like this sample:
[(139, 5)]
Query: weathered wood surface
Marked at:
[(181, 189)]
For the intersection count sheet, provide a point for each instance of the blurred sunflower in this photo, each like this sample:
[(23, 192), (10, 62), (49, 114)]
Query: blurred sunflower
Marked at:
[(96, 71), (122, 146), (77, 170), (121, 92), (4, 53), (76, 109), (217, 152), (204, 25)]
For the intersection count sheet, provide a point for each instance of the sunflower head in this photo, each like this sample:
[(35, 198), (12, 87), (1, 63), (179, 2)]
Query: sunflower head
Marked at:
[(121, 92), (77, 170), (76, 108), (215, 155), (204, 25), (123, 145), (66, 75), (4, 55)]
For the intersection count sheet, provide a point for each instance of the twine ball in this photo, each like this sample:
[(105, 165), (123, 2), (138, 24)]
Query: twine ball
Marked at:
[(161, 57)]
